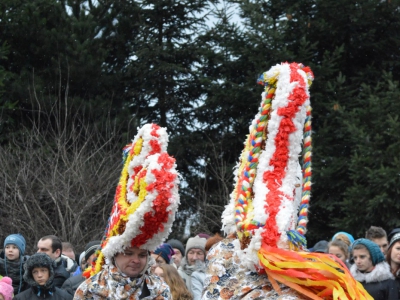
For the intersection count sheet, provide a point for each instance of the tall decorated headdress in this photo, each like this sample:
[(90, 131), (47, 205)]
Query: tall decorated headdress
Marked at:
[(146, 197), (268, 207)]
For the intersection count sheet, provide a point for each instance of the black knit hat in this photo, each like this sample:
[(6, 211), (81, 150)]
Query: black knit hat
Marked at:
[(91, 248), (38, 260)]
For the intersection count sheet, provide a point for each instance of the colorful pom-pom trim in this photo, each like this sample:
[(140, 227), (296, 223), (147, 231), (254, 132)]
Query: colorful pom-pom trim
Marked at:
[(146, 198), (267, 194)]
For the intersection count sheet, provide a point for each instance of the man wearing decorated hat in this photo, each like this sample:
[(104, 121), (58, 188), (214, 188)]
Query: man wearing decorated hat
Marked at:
[(126, 276), (144, 208)]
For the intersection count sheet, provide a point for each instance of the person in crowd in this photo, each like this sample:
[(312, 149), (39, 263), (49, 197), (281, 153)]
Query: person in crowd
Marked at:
[(378, 236), (6, 288), (195, 254), (52, 246), (68, 250), (320, 247), (68, 257), (393, 257), (39, 274), (163, 254), (71, 284), (81, 265), (175, 282), (345, 237), (340, 249), (371, 269), (198, 277), (392, 233), (179, 251), (12, 261), (126, 274)]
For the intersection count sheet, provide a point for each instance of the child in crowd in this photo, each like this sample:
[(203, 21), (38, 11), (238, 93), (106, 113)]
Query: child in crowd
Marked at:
[(12, 261), (6, 289), (39, 274), (371, 269), (341, 250)]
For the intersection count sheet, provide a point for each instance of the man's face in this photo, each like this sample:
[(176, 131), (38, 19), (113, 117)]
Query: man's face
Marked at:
[(40, 275), (177, 257), (193, 255), (362, 260), (382, 243), (44, 246), (132, 261)]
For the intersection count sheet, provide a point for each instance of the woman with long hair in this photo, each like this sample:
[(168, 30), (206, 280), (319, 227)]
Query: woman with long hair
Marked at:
[(174, 280), (393, 257)]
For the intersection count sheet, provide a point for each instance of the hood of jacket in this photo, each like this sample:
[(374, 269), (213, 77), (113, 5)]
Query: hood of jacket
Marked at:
[(39, 260)]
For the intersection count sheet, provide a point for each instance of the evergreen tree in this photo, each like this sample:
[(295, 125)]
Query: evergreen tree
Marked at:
[(360, 40), (372, 197)]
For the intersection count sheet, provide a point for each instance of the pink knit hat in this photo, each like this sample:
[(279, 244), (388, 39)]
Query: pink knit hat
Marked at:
[(6, 288)]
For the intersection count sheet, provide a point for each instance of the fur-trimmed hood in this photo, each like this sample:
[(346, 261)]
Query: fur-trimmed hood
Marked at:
[(381, 272), (36, 261)]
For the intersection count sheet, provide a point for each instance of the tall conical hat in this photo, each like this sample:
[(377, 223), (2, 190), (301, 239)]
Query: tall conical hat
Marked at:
[(268, 189), (269, 204), (146, 198)]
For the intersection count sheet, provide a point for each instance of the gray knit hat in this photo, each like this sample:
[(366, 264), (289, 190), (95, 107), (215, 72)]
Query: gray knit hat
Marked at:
[(373, 249), (177, 244), (196, 242), (91, 248)]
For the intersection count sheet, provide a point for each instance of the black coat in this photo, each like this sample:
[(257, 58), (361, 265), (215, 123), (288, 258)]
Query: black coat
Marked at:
[(71, 284), (14, 270), (53, 294), (382, 290), (60, 273)]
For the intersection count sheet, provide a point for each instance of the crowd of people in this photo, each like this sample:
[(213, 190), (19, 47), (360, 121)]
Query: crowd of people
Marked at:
[(173, 270), (374, 260), (56, 271)]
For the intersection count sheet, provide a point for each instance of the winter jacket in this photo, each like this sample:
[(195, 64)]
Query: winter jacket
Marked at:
[(197, 279), (15, 270), (46, 291), (60, 272), (186, 272), (397, 278), (53, 294), (379, 283), (71, 284)]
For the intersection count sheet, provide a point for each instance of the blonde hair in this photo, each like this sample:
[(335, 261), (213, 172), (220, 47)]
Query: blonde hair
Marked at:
[(175, 283), (341, 245), (342, 237)]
